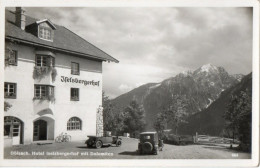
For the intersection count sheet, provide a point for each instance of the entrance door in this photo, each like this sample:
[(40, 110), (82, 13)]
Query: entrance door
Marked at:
[(13, 129), (40, 130), (16, 134)]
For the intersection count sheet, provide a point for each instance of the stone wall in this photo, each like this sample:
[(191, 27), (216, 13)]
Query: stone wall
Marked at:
[(100, 127)]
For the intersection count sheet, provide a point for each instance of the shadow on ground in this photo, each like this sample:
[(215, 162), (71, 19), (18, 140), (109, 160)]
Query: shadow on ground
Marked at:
[(132, 153), (85, 147), (224, 148)]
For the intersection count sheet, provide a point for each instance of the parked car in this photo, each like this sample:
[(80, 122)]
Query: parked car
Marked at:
[(150, 143), (98, 142), (179, 139)]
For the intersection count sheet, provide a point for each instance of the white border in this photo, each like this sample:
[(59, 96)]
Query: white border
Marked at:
[(142, 3)]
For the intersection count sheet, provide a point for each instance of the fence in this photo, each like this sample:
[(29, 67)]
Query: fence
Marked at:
[(213, 139)]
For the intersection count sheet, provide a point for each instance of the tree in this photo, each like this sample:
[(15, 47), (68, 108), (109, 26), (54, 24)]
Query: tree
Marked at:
[(239, 116), (160, 123), (231, 116), (177, 112), (245, 117), (112, 116), (134, 117)]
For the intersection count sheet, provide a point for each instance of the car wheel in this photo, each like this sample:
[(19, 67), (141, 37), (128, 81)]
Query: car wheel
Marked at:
[(98, 144), (118, 143), (147, 147)]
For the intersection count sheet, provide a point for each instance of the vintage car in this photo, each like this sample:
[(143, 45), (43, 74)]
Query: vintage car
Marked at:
[(98, 142), (150, 143)]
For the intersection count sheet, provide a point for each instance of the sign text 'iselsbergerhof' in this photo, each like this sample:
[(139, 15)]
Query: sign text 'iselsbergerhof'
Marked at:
[(76, 80)]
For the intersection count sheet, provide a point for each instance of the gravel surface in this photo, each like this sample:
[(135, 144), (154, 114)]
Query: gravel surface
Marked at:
[(128, 150)]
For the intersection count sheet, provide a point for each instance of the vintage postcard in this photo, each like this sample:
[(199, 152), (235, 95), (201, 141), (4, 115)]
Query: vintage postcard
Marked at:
[(129, 83)]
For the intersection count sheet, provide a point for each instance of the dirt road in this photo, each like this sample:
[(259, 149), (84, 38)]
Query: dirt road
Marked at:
[(78, 150)]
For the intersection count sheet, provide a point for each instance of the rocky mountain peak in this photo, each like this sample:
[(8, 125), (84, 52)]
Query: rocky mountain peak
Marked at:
[(208, 68)]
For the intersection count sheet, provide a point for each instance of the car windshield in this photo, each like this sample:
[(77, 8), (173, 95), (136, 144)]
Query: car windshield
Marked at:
[(147, 137)]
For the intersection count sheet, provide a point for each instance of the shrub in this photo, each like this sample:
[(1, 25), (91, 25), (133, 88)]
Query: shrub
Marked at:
[(53, 74), (40, 72), (7, 106), (50, 98)]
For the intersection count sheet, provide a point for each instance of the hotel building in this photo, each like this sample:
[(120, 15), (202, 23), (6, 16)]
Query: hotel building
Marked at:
[(53, 81)]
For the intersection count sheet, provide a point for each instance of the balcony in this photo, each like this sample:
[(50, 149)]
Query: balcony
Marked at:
[(44, 71), (43, 97)]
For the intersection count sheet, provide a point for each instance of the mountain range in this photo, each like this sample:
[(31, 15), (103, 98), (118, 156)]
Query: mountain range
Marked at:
[(210, 120), (200, 88)]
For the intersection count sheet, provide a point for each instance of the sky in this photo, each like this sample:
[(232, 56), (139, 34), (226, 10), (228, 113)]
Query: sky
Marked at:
[(153, 44)]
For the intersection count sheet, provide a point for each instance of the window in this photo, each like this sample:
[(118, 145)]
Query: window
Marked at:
[(74, 68), (74, 123), (45, 61), (11, 57), (74, 94), (43, 91), (10, 90), (45, 33)]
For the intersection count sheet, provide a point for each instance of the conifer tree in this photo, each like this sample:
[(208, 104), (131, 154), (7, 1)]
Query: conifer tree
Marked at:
[(177, 112), (134, 118), (160, 123)]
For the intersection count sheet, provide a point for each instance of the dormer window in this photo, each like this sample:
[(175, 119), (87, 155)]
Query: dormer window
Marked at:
[(43, 29), (45, 33)]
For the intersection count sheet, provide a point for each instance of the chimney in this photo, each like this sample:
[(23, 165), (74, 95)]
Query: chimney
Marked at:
[(20, 19)]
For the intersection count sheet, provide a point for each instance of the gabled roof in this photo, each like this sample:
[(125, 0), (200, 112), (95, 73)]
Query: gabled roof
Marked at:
[(48, 21), (64, 40)]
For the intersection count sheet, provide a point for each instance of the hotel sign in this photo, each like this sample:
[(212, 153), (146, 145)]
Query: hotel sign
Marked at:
[(76, 80)]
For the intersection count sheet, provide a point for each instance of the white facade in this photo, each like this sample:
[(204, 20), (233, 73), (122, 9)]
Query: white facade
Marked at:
[(55, 113)]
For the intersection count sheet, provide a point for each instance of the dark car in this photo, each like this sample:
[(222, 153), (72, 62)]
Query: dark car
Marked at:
[(150, 143), (98, 142)]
